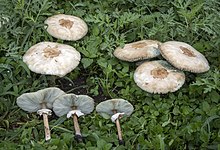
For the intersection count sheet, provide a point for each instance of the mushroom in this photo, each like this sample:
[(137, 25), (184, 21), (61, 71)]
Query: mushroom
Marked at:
[(66, 27), (116, 108), (40, 102), (52, 58), (75, 106), (158, 77), (139, 50), (183, 56)]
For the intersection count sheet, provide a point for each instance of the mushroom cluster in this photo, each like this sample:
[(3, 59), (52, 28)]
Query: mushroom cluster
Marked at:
[(46, 100), (53, 58), (57, 59), (71, 105), (162, 76)]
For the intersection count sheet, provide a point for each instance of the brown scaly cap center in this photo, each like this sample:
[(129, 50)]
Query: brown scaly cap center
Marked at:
[(139, 45), (187, 52), (66, 23), (49, 52), (160, 73)]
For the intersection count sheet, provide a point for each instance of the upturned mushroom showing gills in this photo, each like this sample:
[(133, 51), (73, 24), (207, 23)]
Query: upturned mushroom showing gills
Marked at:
[(158, 77), (40, 102), (52, 58), (74, 106), (116, 108), (183, 56), (66, 27), (139, 50)]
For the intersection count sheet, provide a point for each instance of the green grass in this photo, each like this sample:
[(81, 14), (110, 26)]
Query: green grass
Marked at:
[(186, 119)]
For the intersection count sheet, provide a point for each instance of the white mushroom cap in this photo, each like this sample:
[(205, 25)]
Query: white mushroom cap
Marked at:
[(68, 102), (139, 50), (52, 58), (118, 105), (33, 102), (66, 27), (183, 56), (158, 77)]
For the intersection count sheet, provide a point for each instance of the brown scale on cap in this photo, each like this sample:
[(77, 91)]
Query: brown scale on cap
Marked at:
[(160, 73), (187, 52), (51, 52), (66, 23), (139, 45)]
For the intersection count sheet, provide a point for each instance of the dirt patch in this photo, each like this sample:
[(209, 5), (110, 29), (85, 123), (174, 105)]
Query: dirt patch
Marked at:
[(79, 87)]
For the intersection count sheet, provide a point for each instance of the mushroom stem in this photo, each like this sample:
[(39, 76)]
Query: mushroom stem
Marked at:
[(78, 135), (121, 142), (46, 125)]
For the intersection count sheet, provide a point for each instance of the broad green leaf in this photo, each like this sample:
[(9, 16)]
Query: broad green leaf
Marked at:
[(86, 62)]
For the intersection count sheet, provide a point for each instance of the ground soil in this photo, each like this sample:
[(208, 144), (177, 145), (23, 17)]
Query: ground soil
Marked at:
[(80, 87)]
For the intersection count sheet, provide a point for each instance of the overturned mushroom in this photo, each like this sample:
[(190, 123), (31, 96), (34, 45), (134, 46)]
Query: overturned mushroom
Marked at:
[(158, 77), (74, 106), (116, 108), (183, 56), (52, 58), (66, 27), (40, 102), (139, 50)]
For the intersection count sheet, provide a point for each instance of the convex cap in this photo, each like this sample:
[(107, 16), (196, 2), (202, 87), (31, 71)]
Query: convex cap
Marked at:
[(158, 77), (139, 50), (66, 27), (183, 56), (68, 102), (117, 105), (52, 58), (34, 101)]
